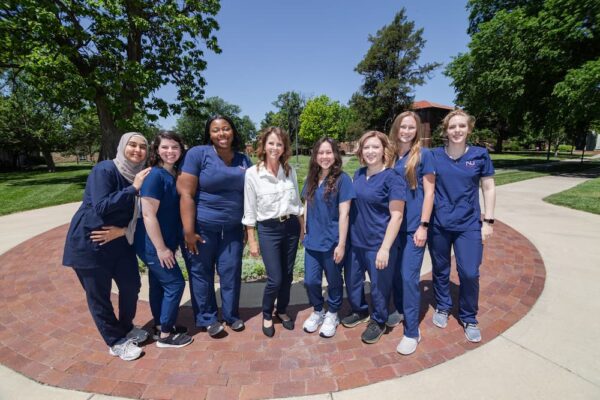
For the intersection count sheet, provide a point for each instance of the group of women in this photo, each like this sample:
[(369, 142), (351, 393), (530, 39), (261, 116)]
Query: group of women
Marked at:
[(213, 201)]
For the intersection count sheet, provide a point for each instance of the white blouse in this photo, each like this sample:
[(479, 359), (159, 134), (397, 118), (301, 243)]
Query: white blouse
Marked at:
[(267, 196)]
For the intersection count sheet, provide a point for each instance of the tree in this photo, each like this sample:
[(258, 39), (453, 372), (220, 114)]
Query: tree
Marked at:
[(323, 117), (390, 72), (290, 106), (113, 54), (84, 133), (191, 125)]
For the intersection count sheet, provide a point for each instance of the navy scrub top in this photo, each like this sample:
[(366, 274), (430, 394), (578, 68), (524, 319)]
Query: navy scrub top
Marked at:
[(414, 198), (456, 205), (160, 185), (370, 213), (220, 193), (322, 214), (108, 200)]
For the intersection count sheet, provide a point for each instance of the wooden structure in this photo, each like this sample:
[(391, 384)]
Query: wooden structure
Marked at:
[(431, 115)]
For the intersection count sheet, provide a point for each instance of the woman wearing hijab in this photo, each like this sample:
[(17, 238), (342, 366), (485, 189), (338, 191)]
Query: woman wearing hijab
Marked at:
[(109, 201)]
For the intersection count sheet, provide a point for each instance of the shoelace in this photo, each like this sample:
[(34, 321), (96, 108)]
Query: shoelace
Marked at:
[(329, 319), (470, 325), (128, 344)]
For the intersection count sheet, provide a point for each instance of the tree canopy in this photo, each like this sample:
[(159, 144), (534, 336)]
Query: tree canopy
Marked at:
[(391, 71), (323, 117), (112, 54)]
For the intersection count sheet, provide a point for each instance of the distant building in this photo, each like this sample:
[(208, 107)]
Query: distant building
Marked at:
[(431, 115)]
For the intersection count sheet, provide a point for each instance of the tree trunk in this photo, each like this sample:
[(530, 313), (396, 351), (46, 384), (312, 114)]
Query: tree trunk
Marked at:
[(110, 133), (49, 160), (499, 143)]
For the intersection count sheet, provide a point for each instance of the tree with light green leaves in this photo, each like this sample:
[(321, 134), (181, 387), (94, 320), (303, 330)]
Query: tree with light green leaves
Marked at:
[(323, 117), (390, 71), (112, 54)]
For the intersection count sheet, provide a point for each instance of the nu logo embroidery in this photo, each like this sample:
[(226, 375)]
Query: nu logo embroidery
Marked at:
[(470, 163)]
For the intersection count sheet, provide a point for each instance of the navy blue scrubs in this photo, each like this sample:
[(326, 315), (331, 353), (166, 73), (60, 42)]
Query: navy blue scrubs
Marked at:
[(407, 294), (166, 284), (219, 210), (320, 240), (456, 221), (108, 200), (369, 218)]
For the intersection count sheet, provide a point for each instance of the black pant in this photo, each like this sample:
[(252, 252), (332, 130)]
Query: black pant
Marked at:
[(97, 285), (278, 245)]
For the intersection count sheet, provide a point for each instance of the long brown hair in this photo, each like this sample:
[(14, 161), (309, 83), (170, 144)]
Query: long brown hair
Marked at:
[(387, 148), (414, 154), (312, 180), (287, 148)]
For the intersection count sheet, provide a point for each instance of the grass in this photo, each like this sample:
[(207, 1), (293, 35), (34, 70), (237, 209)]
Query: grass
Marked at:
[(20, 191), (584, 197)]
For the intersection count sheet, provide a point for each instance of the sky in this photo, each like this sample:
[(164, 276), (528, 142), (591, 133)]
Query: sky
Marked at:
[(312, 46)]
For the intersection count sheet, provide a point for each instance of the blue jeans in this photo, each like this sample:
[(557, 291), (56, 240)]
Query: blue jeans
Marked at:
[(166, 288), (278, 243), (222, 249), (468, 251), (315, 262)]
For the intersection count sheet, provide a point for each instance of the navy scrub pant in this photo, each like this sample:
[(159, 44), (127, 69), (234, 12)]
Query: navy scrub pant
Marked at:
[(406, 292), (97, 283), (222, 248), (381, 281), (166, 288), (468, 252), (315, 262), (278, 243)]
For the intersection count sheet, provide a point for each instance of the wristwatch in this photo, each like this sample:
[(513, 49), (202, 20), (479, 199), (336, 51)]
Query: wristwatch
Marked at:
[(425, 224), (489, 220)]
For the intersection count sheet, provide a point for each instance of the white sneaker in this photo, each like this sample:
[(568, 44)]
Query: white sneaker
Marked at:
[(126, 349), (408, 345), (313, 321), (329, 325)]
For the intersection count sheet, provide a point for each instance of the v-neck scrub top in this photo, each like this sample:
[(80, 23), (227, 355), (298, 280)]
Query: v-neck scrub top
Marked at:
[(370, 213), (414, 198), (457, 188), (220, 194), (160, 185), (322, 214)]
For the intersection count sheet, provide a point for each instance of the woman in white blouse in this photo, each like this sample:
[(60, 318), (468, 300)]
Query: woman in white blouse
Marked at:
[(272, 204)]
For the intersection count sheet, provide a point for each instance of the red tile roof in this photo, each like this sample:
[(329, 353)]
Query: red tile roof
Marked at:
[(418, 105)]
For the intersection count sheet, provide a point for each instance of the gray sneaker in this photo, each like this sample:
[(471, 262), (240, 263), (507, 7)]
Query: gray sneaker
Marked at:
[(126, 349), (472, 333), (394, 319), (137, 335), (440, 318)]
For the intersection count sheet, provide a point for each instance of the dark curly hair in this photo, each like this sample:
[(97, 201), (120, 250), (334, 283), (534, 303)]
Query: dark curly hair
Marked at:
[(155, 159), (236, 144), (312, 180)]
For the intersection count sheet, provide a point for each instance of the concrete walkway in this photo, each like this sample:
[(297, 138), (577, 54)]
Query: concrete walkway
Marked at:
[(551, 353)]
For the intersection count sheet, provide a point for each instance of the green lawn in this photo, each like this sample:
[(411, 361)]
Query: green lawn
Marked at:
[(584, 197), (20, 191)]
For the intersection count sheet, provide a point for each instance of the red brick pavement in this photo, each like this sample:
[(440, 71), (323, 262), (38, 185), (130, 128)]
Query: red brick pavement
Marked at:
[(47, 334)]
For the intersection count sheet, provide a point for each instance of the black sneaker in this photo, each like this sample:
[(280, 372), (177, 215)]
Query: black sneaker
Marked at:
[(215, 328), (174, 340), (373, 332), (237, 325), (354, 319), (176, 329)]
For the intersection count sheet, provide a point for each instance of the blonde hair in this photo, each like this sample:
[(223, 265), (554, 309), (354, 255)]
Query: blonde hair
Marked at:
[(287, 148), (452, 114), (414, 155), (388, 156)]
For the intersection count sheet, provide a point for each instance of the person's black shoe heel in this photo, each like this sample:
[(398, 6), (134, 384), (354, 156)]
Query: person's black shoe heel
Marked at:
[(287, 323), (268, 331)]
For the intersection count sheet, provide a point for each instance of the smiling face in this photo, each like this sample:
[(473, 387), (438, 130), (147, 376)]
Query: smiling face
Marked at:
[(136, 149), (373, 152), (274, 147), (221, 134), (407, 131), (325, 156), (458, 129), (169, 151)]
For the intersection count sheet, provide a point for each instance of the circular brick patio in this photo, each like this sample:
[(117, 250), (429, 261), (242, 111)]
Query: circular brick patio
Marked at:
[(47, 334)]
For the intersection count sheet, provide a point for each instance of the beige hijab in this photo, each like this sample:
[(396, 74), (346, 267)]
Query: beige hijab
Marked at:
[(129, 169)]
